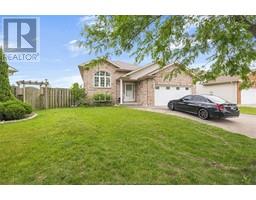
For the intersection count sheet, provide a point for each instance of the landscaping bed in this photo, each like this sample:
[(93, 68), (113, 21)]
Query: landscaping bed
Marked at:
[(14, 110), (26, 117)]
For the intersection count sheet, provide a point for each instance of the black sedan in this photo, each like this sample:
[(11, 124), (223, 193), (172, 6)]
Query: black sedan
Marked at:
[(205, 106)]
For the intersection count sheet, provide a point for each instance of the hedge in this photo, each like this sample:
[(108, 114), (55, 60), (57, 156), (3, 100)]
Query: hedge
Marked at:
[(102, 99), (13, 110)]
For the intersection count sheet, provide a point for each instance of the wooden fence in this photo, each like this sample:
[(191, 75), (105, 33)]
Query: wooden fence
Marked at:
[(45, 97)]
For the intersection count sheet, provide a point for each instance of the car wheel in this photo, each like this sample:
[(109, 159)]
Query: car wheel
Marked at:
[(171, 106), (203, 114)]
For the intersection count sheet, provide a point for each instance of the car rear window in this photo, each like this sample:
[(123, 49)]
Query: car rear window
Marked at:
[(215, 99)]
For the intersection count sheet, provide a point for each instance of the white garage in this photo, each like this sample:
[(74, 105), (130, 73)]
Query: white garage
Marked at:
[(163, 94), (248, 96), (227, 91), (228, 88)]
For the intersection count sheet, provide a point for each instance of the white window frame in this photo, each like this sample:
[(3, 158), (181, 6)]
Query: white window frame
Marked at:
[(103, 77)]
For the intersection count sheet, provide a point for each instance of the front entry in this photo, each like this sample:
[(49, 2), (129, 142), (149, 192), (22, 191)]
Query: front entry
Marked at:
[(129, 92)]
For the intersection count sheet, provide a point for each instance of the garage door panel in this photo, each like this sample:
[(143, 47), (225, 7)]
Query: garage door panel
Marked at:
[(248, 96), (166, 93), (226, 91)]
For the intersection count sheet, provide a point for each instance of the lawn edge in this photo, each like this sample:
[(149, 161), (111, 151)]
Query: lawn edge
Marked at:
[(20, 120)]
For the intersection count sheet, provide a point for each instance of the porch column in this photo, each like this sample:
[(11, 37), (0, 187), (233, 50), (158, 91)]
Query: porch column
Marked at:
[(121, 91)]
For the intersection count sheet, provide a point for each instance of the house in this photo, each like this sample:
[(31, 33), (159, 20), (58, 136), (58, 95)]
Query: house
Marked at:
[(147, 86), (131, 84), (11, 70), (228, 88)]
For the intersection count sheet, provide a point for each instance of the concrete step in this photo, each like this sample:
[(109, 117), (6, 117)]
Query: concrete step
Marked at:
[(131, 104)]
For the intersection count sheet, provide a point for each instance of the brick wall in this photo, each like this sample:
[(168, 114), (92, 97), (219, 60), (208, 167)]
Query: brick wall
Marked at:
[(145, 92), (88, 78), (145, 88), (253, 79)]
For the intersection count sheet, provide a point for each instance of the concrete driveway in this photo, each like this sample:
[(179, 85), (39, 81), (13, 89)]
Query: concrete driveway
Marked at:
[(244, 124)]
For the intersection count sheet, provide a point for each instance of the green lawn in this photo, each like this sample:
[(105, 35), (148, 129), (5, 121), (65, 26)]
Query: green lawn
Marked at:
[(248, 110), (114, 145)]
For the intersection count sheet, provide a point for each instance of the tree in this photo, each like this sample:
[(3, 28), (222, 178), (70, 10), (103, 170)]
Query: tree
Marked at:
[(5, 88), (78, 94), (227, 43)]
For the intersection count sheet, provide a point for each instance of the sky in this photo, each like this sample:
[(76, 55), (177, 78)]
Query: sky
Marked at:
[(59, 56)]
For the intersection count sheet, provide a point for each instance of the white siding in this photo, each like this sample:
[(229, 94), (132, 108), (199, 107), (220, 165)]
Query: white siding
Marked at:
[(226, 91), (248, 96), (166, 93)]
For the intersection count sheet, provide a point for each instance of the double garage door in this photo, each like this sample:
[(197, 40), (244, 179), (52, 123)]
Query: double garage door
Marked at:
[(248, 96), (163, 94)]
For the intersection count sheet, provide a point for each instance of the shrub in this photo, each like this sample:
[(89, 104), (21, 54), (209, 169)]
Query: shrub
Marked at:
[(1, 111), (14, 109), (5, 88), (10, 107), (78, 94), (27, 107), (102, 99)]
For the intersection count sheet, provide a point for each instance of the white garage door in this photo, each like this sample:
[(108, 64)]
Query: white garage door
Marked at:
[(226, 91), (163, 94), (248, 96)]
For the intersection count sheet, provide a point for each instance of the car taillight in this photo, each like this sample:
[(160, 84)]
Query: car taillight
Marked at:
[(219, 107)]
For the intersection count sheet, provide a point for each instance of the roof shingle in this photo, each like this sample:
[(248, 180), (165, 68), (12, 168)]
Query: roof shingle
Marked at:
[(124, 65)]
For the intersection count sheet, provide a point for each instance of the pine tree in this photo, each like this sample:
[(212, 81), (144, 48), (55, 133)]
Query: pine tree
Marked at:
[(5, 88)]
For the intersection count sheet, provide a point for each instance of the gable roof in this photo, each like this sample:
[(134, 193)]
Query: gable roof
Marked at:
[(147, 71), (118, 64), (12, 70), (160, 69), (141, 72), (125, 66)]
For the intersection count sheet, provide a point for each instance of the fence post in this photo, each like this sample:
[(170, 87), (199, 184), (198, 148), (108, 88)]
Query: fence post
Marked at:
[(24, 93), (46, 97)]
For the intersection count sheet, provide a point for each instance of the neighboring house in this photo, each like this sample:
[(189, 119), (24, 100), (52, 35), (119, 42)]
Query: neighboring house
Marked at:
[(131, 84), (228, 88), (12, 70)]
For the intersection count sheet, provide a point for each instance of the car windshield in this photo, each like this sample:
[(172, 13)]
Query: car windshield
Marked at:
[(215, 99)]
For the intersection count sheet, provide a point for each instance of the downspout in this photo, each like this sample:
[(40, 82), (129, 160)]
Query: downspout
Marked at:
[(147, 92)]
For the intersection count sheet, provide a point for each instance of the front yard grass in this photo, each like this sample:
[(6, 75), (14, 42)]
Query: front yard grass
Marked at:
[(112, 145), (248, 110)]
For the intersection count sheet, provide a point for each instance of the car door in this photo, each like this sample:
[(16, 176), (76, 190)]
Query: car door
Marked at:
[(196, 103), (193, 104), (183, 103)]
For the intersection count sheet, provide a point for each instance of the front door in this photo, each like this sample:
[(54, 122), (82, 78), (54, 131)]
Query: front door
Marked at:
[(129, 92)]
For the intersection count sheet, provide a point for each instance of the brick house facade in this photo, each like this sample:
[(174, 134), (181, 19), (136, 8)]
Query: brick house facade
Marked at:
[(132, 84)]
